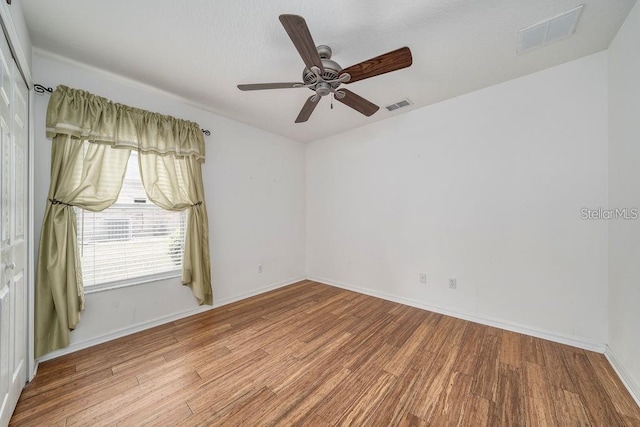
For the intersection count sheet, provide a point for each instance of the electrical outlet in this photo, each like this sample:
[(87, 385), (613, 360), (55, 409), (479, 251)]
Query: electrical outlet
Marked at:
[(259, 268), (423, 278), (453, 283)]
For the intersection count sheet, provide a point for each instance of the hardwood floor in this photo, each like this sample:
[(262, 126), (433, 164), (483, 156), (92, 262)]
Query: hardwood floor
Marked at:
[(311, 354)]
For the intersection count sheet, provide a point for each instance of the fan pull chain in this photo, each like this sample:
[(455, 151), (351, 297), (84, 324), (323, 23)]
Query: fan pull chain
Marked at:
[(332, 96)]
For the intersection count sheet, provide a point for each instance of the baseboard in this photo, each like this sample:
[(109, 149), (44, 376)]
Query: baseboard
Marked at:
[(119, 333), (258, 291), (498, 323), (472, 317), (632, 386), (80, 345)]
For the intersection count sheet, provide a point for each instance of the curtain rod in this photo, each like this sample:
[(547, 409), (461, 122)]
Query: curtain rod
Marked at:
[(38, 88)]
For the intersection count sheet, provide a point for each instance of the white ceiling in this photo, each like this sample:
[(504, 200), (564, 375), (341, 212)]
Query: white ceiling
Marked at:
[(201, 49)]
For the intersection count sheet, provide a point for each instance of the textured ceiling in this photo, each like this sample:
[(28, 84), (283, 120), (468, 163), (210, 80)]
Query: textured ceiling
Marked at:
[(201, 49)]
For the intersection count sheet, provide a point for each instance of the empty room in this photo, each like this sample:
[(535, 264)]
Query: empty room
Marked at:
[(223, 213)]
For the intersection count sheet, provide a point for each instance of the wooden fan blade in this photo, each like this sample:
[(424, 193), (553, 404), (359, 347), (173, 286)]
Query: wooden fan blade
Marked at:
[(385, 63), (357, 102), (262, 86), (307, 109), (299, 33)]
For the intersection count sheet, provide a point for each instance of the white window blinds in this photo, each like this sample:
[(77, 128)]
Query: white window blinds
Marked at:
[(133, 240)]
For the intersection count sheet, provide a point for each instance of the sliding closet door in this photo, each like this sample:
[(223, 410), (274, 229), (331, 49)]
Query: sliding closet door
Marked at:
[(13, 225)]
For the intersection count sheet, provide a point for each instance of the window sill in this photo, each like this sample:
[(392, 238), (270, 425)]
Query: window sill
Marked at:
[(94, 289)]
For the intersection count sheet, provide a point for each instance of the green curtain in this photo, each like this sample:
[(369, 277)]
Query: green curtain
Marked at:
[(92, 139), (175, 183)]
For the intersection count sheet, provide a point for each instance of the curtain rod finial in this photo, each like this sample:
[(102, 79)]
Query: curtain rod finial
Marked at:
[(206, 132), (41, 89)]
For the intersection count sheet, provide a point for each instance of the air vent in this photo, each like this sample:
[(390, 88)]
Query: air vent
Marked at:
[(399, 104), (553, 29)]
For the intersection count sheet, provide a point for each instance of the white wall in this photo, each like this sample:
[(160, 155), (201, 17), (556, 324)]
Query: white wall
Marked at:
[(254, 184), (624, 191), (486, 188)]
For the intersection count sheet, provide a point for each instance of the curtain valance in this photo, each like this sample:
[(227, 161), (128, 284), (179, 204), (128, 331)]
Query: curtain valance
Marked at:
[(90, 117)]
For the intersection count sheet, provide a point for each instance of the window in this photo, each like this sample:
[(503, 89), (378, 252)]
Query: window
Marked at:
[(133, 240)]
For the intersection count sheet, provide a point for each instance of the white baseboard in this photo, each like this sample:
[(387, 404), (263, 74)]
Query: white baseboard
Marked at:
[(632, 386), (119, 333), (259, 291), (472, 317)]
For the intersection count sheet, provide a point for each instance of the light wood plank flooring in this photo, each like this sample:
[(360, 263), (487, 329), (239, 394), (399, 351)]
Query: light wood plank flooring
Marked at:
[(311, 354)]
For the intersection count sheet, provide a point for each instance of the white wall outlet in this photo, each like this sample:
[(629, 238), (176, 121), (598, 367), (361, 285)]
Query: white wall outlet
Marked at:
[(259, 268), (423, 278), (453, 283)]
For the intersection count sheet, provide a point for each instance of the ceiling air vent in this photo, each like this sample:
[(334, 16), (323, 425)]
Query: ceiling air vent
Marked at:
[(553, 29), (399, 104)]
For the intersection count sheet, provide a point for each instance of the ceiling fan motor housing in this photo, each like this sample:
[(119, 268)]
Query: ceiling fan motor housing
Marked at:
[(331, 72)]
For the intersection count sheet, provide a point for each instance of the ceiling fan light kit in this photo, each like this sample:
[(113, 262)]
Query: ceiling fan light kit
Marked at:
[(324, 76)]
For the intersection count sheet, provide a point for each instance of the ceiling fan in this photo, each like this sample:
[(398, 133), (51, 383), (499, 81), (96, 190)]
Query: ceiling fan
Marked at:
[(324, 76)]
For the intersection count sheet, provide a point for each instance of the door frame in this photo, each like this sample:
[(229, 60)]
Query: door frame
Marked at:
[(11, 32)]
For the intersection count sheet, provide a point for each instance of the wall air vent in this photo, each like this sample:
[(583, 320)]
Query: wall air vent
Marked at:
[(553, 29), (399, 104)]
